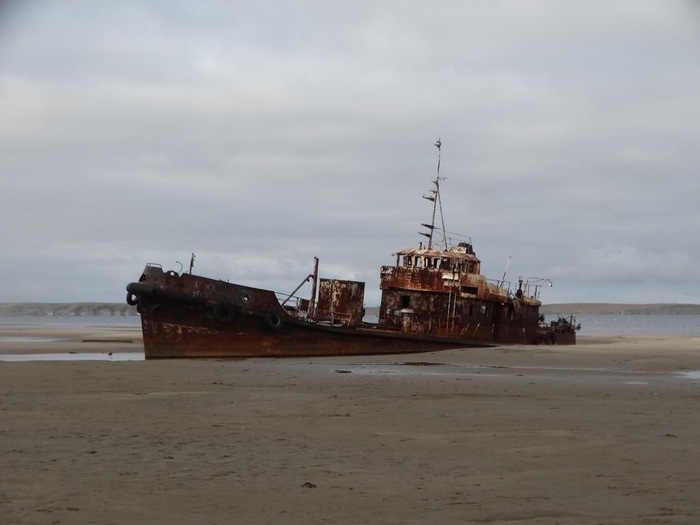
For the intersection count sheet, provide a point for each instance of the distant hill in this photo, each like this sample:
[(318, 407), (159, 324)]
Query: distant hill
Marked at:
[(620, 309), (67, 309)]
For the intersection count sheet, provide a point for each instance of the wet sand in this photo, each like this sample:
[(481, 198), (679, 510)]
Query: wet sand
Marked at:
[(604, 433)]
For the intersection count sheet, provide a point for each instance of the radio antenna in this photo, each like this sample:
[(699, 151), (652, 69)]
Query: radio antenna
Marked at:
[(437, 204)]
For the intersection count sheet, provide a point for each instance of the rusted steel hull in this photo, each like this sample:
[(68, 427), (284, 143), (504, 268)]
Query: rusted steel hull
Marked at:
[(431, 293), (189, 316), (458, 316), (559, 338)]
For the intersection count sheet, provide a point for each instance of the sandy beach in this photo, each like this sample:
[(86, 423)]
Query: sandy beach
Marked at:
[(605, 432)]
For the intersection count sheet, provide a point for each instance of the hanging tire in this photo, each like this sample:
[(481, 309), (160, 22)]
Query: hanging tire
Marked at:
[(136, 289), (223, 313), (273, 320)]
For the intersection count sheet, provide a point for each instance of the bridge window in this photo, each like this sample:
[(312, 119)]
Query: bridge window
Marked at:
[(405, 301)]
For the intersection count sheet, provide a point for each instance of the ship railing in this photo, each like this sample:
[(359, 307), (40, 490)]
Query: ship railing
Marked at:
[(333, 318), (299, 308), (531, 290), (500, 284), (526, 289), (295, 305), (534, 289)]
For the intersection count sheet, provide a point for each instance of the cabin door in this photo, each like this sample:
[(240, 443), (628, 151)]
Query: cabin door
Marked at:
[(499, 323)]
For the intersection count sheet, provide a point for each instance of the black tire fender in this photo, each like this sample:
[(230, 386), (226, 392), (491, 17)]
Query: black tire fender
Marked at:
[(223, 312), (136, 289), (139, 288), (273, 320)]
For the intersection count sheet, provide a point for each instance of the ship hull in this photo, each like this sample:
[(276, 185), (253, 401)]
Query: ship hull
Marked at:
[(186, 316), (192, 333)]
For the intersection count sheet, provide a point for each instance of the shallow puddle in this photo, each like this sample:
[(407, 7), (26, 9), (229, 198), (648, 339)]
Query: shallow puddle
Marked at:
[(21, 339), (86, 356)]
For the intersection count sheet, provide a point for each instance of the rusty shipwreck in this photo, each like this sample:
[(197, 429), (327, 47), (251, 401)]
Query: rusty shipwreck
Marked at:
[(433, 297)]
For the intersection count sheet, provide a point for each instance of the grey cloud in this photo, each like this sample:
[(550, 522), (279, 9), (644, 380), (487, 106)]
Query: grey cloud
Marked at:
[(259, 134)]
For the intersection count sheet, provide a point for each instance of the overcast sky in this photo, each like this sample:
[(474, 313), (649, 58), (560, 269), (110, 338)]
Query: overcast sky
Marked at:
[(259, 134)]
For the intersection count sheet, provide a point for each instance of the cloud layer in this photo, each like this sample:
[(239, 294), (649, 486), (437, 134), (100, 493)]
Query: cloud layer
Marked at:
[(261, 134)]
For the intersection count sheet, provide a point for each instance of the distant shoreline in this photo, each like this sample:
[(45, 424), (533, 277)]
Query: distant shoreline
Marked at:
[(563, 309), (67, 309)]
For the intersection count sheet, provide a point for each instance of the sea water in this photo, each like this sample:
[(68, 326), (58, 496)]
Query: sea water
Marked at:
[(662, 325)]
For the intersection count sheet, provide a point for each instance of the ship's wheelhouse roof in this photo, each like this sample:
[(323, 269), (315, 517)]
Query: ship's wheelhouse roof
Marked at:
[(457, 253)]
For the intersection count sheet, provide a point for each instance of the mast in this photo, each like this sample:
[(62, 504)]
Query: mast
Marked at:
[(437, 205)]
